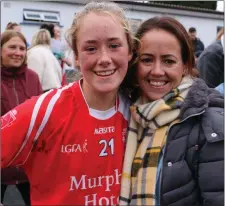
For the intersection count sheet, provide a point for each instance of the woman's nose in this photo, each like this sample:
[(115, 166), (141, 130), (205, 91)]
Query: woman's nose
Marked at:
[(157, 69)]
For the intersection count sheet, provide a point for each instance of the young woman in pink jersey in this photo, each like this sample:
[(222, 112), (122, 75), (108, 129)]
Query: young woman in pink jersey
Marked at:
[(70, 141)]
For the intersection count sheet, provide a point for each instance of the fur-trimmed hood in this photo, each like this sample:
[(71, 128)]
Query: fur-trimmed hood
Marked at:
[(210, 103), (200, 97)]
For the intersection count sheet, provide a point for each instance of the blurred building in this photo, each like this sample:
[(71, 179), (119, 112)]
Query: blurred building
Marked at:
[(31, 14)]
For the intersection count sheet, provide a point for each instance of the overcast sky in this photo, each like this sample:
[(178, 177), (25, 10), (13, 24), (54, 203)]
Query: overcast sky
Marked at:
[(220, 5)]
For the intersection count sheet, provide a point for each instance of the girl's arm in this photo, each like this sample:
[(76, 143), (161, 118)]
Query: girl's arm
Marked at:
[(20, 129)]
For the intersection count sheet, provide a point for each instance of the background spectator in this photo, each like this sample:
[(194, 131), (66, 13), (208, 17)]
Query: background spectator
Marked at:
[(13, 26), (41, 59), (197, 44), (18, 84), (59, 50), (58, 47), (16, 27), (49, 27), (211, 62)]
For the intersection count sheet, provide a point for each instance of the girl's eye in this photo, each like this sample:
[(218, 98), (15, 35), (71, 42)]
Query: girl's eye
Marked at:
[(169, 61), (91, 49), (114, 46)]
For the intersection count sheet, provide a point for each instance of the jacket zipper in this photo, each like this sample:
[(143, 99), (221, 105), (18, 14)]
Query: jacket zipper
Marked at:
[(15, 92), (160, 183)]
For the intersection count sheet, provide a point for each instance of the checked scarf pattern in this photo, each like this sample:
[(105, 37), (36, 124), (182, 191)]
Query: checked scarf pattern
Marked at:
[(147, 134)]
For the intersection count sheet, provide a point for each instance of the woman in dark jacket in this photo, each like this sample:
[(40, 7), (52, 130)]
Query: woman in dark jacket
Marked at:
[(175, 150), (18, 83)]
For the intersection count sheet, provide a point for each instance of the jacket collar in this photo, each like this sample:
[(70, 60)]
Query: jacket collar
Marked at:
[(12, 72), (200, 97)]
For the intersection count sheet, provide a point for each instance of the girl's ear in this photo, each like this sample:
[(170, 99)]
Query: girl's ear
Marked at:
[(77, 64)]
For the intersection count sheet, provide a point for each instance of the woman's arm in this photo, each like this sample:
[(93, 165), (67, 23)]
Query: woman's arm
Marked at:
[(211, 160)]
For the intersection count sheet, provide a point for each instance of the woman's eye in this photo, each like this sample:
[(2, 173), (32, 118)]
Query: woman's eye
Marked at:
[(146, 60), (169, 61)]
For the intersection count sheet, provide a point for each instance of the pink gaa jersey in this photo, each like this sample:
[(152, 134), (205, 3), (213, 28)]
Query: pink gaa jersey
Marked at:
[(71, 153)]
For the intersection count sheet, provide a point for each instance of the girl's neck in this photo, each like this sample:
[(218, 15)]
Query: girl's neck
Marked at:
[(98, 101)]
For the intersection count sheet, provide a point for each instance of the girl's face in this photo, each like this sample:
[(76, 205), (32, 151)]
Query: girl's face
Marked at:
[(13, 53), (160, 67), (103, 52)]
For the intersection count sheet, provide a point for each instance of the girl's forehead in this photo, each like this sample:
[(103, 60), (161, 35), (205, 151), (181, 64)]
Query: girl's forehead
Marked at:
[(100, 26), (94, 17)]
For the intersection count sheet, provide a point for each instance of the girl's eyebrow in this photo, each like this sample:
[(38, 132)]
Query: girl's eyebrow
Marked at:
[(95, 41), (90, 41), (113, 39)]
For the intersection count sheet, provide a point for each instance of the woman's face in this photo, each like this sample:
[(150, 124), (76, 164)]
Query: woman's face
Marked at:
[(13, 53), (160, 67)]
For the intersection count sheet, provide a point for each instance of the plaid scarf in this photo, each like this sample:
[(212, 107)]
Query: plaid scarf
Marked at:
[(147, 134)]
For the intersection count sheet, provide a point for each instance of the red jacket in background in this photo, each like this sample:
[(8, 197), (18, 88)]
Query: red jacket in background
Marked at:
[(17, 85)]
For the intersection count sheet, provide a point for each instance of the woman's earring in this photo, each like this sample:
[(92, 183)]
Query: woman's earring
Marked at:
[(185, 72)]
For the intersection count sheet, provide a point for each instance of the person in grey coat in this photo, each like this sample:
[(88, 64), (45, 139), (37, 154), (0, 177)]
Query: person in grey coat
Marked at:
[(175, 146), (211, 63)]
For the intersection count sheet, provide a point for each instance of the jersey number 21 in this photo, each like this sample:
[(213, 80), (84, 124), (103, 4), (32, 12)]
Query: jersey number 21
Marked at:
[(106, 144)]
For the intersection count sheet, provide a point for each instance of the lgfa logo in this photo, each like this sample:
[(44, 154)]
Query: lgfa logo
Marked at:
[(73, 148)]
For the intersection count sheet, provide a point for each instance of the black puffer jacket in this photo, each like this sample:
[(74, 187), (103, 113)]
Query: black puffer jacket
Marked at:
[(193, 164)]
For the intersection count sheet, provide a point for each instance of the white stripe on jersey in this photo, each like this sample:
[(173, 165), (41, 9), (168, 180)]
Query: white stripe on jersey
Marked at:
[(34, 115), (33, 118), (36, 109)]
